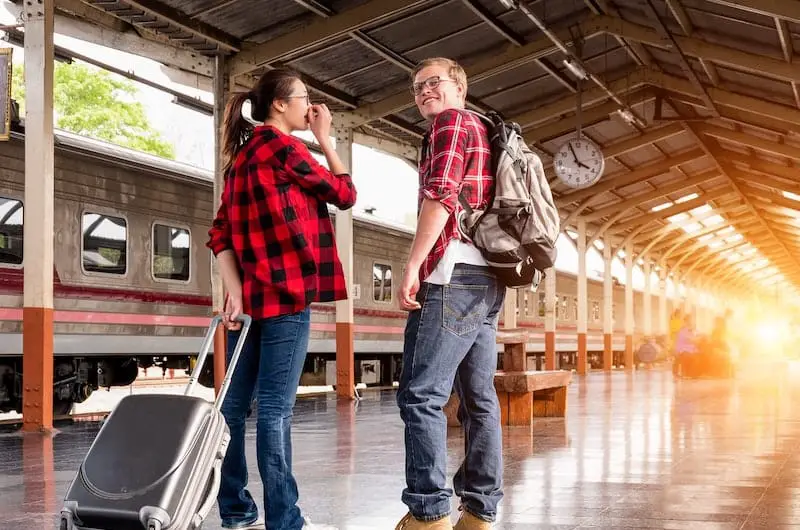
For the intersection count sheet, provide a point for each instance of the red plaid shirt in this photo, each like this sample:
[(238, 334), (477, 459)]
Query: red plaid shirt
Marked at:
[(455, 153), (274, 216)]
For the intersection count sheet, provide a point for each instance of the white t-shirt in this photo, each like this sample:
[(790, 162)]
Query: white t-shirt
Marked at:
[(457, 251)]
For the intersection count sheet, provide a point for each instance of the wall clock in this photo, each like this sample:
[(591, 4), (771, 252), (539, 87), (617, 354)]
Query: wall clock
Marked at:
[(579, 162)]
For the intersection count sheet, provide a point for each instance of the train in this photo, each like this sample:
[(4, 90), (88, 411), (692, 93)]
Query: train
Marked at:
[(132, 278)]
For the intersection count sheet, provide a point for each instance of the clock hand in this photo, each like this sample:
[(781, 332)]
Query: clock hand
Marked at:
[(576, 157)]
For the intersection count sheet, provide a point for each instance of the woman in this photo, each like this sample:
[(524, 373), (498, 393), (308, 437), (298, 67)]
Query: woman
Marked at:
[(685, 349), (273, 240)]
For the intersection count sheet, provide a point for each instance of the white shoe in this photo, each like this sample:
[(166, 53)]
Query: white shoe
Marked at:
[(308, 525)]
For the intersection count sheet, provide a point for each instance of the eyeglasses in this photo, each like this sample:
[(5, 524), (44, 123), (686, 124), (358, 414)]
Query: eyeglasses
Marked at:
[(431, 82), (303, 96)]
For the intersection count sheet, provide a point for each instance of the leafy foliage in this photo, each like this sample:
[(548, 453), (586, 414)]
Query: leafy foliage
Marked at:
[(92, 102)]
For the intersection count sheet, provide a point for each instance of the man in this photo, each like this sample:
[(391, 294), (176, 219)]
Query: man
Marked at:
[(454, 303)]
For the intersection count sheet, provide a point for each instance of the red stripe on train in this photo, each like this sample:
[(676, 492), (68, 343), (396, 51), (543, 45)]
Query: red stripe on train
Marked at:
[(80, 317)]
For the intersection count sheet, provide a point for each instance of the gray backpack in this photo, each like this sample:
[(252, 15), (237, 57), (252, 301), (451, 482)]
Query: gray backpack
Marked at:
[(517, 233)]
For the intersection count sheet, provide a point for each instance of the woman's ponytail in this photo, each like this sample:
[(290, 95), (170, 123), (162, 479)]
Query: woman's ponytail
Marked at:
[(235, 129), (276, 83)]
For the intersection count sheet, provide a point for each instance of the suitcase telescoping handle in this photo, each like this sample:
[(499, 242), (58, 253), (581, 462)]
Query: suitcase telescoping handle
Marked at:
[(201, 359)]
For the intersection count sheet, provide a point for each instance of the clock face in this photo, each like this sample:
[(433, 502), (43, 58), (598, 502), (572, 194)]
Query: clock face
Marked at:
[(579, 163)]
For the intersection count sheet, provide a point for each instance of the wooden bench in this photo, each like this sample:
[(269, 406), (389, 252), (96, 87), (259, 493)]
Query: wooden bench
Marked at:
[(523, 394)]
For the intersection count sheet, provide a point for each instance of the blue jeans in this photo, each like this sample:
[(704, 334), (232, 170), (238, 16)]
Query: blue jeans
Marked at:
[(451, 342), (269, 368)]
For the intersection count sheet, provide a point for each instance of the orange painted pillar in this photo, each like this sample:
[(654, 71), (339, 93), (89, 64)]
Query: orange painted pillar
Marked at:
[(345, 360), (37, 367), (608, 309), (217, 288), (345, 332), (583, 365), (37, 314), (629, 319), (39, 481), (628, 352), (583, 305), (550, 302), (549, 350), (220, 352)]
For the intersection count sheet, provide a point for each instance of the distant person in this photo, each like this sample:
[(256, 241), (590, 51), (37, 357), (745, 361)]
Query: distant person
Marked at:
[(274, 242), (453, 301), (675, 323), (685, 348)]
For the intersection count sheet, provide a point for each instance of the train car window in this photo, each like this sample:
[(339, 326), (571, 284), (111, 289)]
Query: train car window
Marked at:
[(10, 231), (381, 282), (170, 253), (563, 311), (105, 243), (595, 310), (542, 304), (575, 309)]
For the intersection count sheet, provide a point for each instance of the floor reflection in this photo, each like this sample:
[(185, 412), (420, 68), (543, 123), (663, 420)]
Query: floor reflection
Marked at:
[(636, 450)]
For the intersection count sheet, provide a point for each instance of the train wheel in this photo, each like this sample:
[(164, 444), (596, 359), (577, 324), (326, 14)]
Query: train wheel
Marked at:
[(62, 407)]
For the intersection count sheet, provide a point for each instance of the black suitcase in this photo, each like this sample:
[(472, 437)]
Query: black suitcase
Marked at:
[(155, 464)]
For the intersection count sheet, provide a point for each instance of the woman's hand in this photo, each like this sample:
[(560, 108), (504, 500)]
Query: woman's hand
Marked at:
[(233, 308), (319, 118)]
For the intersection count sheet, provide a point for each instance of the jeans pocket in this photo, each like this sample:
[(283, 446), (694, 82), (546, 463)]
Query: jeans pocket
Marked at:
[(463, 307)]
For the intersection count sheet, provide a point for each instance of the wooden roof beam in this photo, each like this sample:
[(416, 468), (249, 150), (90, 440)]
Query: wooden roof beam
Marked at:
[(750, 62), (784, 9), (725, 167), (511, 57), (762, 166), (697, 202), (669, 246), (174, 17), (748, 140), (319, 32), (662, 191), (676, 227), (630, 177), (725, 98), (635, 50), (686, 25)]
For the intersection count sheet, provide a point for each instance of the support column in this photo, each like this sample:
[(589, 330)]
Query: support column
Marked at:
[(217, 288), (608, 309), (629, 306), (583, 364), (510, 322), (663, 318), (550, 319), (510, 309), (345, 338), (647, 315), (37, 313)]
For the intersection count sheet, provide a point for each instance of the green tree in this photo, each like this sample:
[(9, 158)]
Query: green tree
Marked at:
[(91, 102)]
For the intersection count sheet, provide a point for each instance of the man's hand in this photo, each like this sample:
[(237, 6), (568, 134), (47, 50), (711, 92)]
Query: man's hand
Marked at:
[(409, 289)]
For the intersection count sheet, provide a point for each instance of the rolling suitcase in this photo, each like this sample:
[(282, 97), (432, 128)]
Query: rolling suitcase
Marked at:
[(156, 462)]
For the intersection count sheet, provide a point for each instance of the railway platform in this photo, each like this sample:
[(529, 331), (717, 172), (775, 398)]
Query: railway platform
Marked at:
[(635, 450)]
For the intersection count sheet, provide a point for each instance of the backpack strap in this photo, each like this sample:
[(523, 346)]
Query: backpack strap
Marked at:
[(462, 200)]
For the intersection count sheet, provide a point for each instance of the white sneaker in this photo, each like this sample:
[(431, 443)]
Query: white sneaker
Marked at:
[(308, 525)]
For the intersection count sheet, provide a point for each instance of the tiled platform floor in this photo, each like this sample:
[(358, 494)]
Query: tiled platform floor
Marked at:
[(636, 451)]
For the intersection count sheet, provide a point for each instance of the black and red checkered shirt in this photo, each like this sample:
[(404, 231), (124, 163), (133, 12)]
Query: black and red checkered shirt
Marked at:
[(455, 153), (274, 216)]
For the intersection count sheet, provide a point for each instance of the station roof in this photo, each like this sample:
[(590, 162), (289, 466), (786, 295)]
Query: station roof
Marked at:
[(695, 102)]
